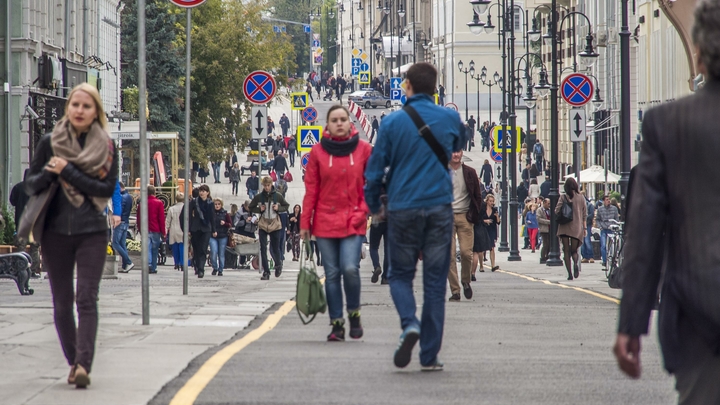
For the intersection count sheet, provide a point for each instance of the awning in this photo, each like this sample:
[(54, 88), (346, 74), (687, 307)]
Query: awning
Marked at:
[(596, 174), (404, 68)]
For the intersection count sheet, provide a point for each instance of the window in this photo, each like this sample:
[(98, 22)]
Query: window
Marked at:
[(518, 17)]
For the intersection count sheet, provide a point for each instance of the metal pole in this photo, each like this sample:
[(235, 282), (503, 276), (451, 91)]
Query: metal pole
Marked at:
[(554, 255), (477, 120), (512, 133), (187, 192), (466, 97), (8, 96), (310, 67), (625, 104), (414, 34), (490, 105), (503, 125), (144, 172)]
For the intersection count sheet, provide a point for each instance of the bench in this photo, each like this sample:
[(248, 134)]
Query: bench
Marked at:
[(16, 266)]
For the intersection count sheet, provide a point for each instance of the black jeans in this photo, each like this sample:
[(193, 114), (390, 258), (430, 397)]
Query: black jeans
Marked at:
[(234, 187), (291, 154), (275, 246), (200, 241), (379, 231), (61, 254)]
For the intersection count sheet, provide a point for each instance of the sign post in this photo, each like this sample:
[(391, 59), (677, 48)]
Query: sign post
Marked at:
[(259, 121)]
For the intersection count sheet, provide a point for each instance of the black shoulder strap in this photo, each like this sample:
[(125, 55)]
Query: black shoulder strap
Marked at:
[(427, 135)]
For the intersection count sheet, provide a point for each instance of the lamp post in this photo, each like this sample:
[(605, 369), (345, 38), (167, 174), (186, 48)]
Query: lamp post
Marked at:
[(477, 82), (625, 138), (401, 15), (466, 71), (586, 58), (496, 80), (341, 10)]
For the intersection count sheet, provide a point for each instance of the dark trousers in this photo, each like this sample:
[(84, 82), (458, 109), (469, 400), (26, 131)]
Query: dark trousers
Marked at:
[(275, 246), (379, 231), (61, 254), (200, 241), (234, 187), (291, 154), (545, 249)]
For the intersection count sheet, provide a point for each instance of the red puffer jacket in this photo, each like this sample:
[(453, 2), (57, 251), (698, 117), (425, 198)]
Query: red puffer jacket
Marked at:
[(334, 204)]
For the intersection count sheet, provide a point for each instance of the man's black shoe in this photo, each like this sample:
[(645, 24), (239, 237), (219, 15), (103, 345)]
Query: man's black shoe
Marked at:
[(278, 271), (543, 261), (384, 281), (454, 298), (201, 274), (265, 276), (467, 290), (376, 274)]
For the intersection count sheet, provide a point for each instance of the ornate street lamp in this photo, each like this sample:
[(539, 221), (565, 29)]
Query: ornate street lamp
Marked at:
[(480, 6), (476, 26)]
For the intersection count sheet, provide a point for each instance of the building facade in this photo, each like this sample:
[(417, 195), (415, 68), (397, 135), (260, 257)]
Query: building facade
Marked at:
[(54, 45)]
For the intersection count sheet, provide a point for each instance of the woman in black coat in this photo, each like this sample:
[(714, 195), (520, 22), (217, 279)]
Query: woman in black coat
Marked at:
[(486, 173)]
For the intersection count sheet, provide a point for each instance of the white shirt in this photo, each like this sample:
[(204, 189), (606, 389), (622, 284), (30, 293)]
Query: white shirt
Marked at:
[(461, 197)]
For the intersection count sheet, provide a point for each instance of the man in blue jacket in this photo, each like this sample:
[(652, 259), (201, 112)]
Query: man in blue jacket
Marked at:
[(419, 211), (122, 205)]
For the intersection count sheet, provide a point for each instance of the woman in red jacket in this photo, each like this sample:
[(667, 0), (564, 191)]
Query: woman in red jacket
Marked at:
[(334, 211)]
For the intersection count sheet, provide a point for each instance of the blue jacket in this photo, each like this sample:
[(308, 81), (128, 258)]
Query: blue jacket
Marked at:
[(117, 200), (416, 179), (127, 204), (531, 220)]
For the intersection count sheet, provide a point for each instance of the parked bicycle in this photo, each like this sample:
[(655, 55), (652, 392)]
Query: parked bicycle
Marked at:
[(615, 243)]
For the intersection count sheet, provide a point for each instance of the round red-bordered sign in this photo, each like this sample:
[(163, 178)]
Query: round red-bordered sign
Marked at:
[(187, 3), (576, 89), (259, 87)]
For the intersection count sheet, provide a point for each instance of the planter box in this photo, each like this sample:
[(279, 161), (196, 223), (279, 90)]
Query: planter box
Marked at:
[(7, 249)]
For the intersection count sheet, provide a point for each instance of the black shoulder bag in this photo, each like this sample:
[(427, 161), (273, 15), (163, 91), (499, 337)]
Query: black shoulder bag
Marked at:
[(427, 135), (565, 216)]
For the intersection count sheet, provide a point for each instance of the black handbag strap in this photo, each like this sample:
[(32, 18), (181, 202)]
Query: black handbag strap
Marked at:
[(427, 135)]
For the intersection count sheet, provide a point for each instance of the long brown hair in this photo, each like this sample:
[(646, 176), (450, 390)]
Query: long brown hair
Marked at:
[(571, 187)]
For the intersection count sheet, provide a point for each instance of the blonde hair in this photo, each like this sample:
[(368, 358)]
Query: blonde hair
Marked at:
[(267, 180), (93, 92), (218, 199)]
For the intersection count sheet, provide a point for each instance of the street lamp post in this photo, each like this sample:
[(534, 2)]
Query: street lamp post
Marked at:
[(341, 10), (489, 84), (466, 71), (625, 103)]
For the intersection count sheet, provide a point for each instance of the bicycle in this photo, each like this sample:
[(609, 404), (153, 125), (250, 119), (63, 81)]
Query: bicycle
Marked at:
[(615, 243)]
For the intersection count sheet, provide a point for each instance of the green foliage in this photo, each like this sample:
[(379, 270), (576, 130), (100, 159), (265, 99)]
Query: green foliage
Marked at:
[(229, 40), (131, 100), (615, 195), (165, 63), (7, 234), (297, 11)]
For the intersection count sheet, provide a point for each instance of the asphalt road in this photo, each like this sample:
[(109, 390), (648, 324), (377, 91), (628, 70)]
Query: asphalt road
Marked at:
[(516, 342)]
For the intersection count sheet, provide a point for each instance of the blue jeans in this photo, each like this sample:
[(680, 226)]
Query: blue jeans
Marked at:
[(426, 230), (587, 250), (217, 253), (252, 193), (155, 239), (119, 243), (341, 260), (178, 252), (603, 243)]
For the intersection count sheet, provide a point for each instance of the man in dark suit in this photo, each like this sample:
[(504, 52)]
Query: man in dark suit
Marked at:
[(670, 227)]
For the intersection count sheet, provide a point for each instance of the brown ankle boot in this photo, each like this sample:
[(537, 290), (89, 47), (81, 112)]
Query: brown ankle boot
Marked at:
[(82, 378)]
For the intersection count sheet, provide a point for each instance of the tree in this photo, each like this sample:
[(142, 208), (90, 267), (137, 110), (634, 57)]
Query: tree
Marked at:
[(165, 62), (229, 41), (298, 11)]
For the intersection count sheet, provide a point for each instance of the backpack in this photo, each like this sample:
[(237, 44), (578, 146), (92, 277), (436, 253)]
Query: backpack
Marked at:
[(538, 149)]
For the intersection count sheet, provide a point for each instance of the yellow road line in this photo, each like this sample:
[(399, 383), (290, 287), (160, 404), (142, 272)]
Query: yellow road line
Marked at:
[(195, 385), (585, 290)]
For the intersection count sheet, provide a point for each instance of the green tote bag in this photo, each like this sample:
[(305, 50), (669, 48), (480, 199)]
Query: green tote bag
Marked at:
[(310, 294)]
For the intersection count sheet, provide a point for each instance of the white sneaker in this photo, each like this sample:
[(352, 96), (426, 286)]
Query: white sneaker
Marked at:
[(128, 268)]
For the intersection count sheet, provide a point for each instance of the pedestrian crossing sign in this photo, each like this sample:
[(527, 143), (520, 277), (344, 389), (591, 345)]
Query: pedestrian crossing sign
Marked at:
[(437, 99), (364, 78), (308, 136), (498, 133), (299, 101)]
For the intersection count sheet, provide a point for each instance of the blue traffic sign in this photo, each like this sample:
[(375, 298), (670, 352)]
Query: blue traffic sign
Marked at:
[(308, 136), (403, 99), (316, 43), (495, 156), (365, 67), (307, 29), (396, 94), (304, 160), (395, 82), (309, 114), (259, 87), (356, 62), (576, 89), (355, 70)]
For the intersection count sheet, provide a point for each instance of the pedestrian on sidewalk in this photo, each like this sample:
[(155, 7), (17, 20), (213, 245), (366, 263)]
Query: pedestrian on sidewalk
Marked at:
[(202, 227), (280, 164), (587, 252), (674, 160), (219, 239), (543, 218), (486, 173), (252, 184), (336, 214), (18, 199), (466, 205), (292, 150), (378, 232), (606, 213), (293, 231), (235, 178), (284, 124), (419, 210), (119, 241), (75, 168), (375, 127), (490, 217), (156, 227), (572, 233), (174, 230), (531, 221), (269, 203)]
